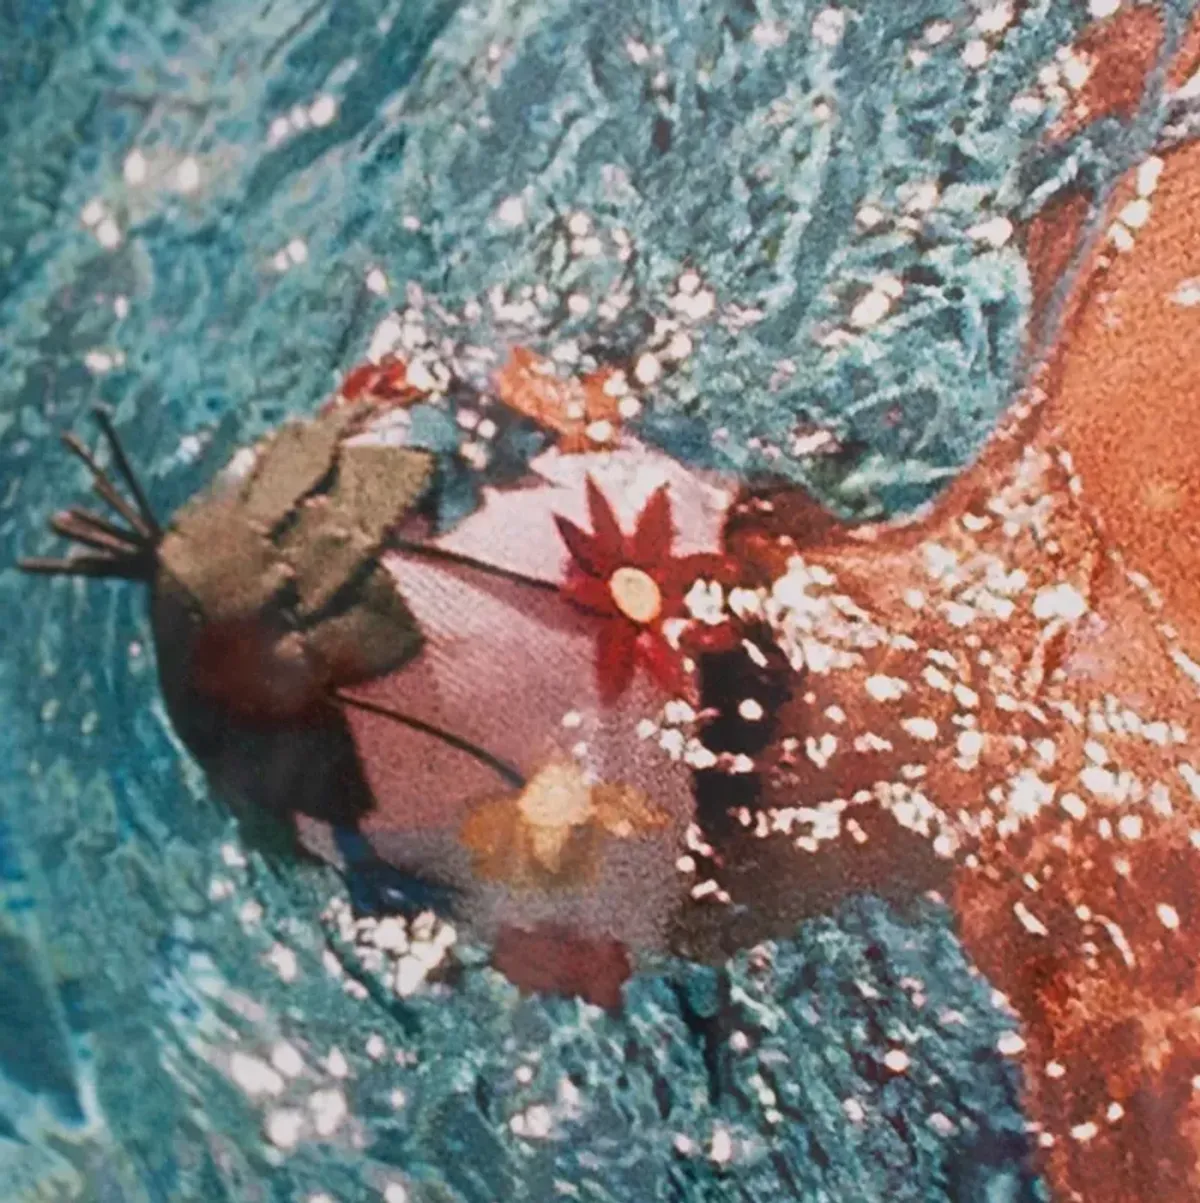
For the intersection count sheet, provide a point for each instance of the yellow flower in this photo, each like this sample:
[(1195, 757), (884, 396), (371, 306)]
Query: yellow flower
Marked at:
[(552, 832)]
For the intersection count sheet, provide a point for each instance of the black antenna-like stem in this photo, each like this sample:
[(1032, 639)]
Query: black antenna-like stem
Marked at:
[(84, 564), (81, 529), (104, 487), (501, 767), (100, 524), (127, 473), (112, 550)]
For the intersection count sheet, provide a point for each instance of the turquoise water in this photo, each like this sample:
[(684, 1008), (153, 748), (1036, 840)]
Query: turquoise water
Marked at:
[(197, 194)]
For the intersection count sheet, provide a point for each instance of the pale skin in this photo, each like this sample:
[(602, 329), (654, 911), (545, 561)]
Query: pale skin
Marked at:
[(1007, 687)]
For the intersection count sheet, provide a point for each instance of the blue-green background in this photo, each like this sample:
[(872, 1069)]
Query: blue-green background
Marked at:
[(118, 975)]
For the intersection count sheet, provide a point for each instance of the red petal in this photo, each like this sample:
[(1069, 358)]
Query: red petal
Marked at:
[(605, 529), (616, 645), (651, 543), (358, 381), (584, 548), (589, 593), (552, 959), (664, 663)]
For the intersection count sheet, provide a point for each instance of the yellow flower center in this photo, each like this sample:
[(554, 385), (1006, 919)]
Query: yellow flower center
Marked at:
[(636, 594), (557, 797)]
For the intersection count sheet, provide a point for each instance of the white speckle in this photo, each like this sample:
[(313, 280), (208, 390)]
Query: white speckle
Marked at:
[(869, 216), (283, 959), (941, 1124), (287, 1060), (410, 975), (1098, 780), (966, 697), (134, 169), (1136, 213), (995, 232), (280, 261), (336, 1064), (696, 306), (377, 282), (386, 338), (1059, 601), (108, 233), (1029, 921), (284, 1127), (1187, 293), (324, 110), (1010, 1044), (854, 1111), (647, 369), (897, 1060), (1147, 175), (329, 1110), (537, 1122), (969, 744), (920, 728), (629, 408), (1075, 70), (767, 35), (98, 362), (255, 1077), (297, 251), (1115, 1112), (1028, 793), (1122, 239), (93, 212), (1074, 805), (121, 307), (870, 309), (602, 431), (995, 19), (820, 751), (829, 25), (937, 32), (885, 689), (279, 129), (511, 211), (376, 1047), (750, 710), (1099, 9), (721, 1150), (936, 679), (1168, 916), (1085, 1132), (975, 53), (187, 175), (1054, 1069), (1130, 827), (396, 1192), (412, 223)]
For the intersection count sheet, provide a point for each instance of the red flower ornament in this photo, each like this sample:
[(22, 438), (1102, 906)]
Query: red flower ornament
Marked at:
[(635, 584)]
